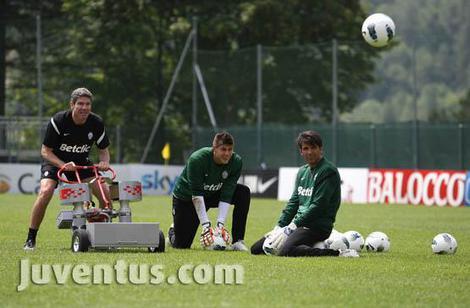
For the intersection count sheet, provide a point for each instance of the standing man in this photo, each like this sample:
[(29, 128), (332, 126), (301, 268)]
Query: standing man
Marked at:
[(69, 137), (209, 180), (310, 213)]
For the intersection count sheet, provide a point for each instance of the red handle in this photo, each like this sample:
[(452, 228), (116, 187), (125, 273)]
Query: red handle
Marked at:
[(97, 176), (79, 180)]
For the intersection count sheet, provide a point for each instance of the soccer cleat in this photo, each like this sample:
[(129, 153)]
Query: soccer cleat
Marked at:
[(29, 245), (239, 246), (348, 253)]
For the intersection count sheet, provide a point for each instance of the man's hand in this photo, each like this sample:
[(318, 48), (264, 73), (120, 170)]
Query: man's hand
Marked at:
[(70, 166), (103, 166), (269, 237), (207, 235), (279, 238), (223, 233)]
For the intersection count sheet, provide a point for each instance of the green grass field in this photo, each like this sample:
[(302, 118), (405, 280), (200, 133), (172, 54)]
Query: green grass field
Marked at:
[(408, 275)]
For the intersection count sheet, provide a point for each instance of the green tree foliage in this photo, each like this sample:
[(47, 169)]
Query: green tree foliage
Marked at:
[(126, 52), (298, 76), (20, 57), (3, 14), (464, 111)]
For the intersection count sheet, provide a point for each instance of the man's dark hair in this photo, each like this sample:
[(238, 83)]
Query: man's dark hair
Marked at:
[(309, 137), (79, 92), (222, 138)]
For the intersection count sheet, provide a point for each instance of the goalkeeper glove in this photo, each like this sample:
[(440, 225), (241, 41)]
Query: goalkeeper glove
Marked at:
[(272, 232), (221, 231), (279, 238), (207, 235)]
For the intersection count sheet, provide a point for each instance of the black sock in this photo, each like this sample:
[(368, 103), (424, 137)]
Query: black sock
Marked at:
[(32, 234)]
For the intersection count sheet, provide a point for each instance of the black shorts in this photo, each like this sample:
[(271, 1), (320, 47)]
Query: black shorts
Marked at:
[(49, 171)]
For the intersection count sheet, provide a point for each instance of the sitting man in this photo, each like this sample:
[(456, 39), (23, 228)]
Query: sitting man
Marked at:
[(311, 211)]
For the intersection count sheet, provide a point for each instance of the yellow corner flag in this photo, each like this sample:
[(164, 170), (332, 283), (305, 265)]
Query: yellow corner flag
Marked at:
[(166, 152)]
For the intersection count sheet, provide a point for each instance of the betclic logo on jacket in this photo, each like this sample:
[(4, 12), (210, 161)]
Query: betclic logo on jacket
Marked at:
[(213, 187), (75, 149), (306, 192)]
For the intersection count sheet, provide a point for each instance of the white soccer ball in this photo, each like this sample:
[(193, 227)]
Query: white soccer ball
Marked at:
[(268, 247), (355, 239), (377, 242), (444, 243), (378, 30), (219, 243), (336, 241), (319, 245)]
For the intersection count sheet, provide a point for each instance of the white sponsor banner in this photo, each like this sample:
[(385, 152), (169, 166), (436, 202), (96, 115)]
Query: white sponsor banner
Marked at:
[(155, 179), (287, 177), (406, 186), (19, 178), (353, 184)]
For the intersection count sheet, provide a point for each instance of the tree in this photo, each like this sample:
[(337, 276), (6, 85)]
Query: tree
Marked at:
[(20, 49), (464, 102), (298, 76), (3, 15), (126, 52)]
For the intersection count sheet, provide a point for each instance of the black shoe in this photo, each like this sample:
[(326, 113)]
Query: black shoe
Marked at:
[(29, 245)]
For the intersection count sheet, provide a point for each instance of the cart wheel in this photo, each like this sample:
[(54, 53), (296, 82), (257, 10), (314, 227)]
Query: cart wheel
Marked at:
[(80, 241), (161, 244)]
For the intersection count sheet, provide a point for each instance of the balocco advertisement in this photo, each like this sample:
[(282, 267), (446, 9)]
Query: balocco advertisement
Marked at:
[(428, 187)]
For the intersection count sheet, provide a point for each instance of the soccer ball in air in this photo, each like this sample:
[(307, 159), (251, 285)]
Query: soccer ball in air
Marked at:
[(444, 243), (355, 239), (378, 30), (377, 242)]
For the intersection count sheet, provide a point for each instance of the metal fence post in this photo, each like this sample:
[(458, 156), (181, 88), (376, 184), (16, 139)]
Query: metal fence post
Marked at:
[(39, 65), (194, 115), (373, 161), (118, 158), (415, 112), (461, 147), (334, 102), (259, 100)]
